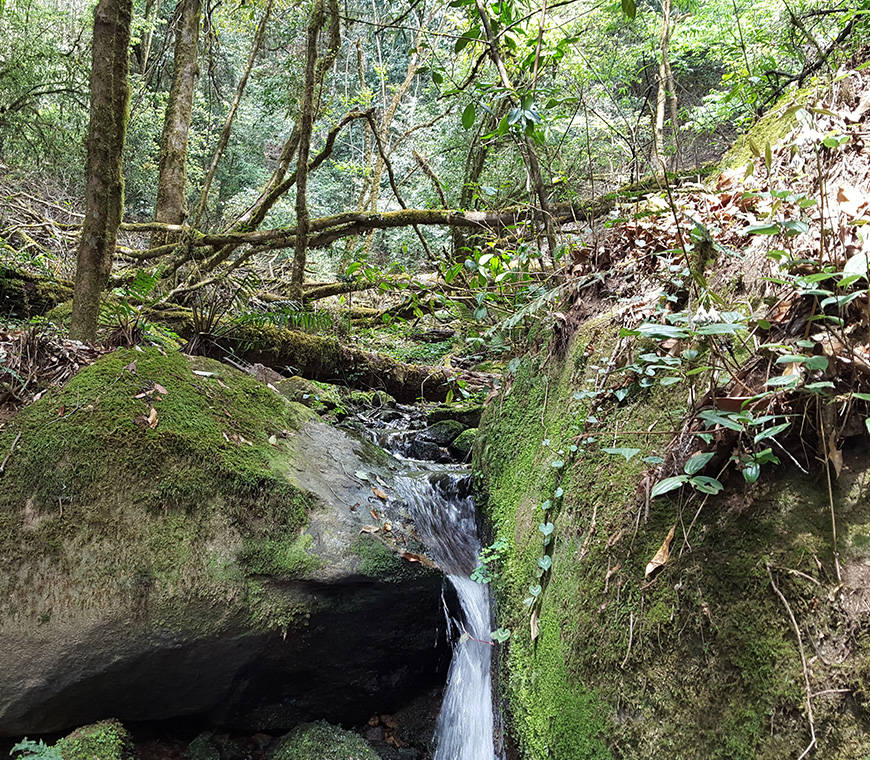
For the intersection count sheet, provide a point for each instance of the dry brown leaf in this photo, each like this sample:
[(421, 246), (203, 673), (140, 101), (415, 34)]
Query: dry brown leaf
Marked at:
[(374, 514), (160, 389), (533, 624), (662, 555), (379, 493), (152, 418), (421, 558), (369, 529), (611, 571)]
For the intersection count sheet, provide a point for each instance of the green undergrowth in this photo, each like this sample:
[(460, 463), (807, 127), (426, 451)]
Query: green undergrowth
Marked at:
[(698, 661), (106, 740), (144, 483)]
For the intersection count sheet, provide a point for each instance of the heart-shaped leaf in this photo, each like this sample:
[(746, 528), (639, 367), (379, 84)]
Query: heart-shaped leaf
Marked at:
[(545, 562), (546, 528)]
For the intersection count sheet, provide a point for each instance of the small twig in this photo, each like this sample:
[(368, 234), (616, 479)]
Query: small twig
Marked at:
[(809, 690), (11, 449), (630, 638)]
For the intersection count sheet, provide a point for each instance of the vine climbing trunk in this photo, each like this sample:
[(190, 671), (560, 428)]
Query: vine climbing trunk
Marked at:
[(104, 192), (171, 206)]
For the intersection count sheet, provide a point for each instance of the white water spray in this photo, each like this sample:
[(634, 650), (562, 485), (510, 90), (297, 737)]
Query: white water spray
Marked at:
[(443, 512)]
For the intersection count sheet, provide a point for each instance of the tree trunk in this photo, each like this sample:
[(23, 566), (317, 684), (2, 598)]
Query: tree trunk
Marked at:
[(659, 160), (171, 206), (306, 124), (231, 115), (104, 193), (528, 150)]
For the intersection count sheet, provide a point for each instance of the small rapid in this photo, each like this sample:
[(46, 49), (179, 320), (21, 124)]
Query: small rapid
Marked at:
[(439, 500), (443, 510)]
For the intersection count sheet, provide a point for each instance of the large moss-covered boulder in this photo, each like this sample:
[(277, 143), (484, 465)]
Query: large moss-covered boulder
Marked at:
[(699, 660), (177, 538), (321, 741)]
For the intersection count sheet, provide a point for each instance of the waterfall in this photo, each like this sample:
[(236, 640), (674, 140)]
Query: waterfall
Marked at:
[(441, 505)]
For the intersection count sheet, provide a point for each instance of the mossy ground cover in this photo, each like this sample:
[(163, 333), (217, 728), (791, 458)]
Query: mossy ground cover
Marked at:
[(99, 502), (322, 741), (699, 661)]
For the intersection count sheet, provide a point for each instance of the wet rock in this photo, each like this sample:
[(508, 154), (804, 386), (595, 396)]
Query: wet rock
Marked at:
[(467, 413), (444, 432), (204, 563), (461, 446)]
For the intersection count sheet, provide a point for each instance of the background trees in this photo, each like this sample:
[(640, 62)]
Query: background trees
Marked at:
[(465, 105)]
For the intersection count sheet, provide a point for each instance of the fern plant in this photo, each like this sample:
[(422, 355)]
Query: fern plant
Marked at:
[(31, 750)]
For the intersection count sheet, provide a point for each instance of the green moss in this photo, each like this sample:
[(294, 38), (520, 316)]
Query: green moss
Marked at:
[(98, 503), (282, 557), (699, 661), (445, 432), (377, 560), (768, 130), (321, 741), (464, 442), (106, 740)]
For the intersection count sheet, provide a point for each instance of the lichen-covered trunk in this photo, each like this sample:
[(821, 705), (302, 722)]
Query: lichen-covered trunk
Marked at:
[(171, 206), (306, 124), (104, 193)]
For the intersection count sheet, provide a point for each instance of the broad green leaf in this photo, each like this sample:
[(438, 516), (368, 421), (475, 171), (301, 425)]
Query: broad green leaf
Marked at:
[(545, 562), (771, 432), (697, 462), (751, 472), (546, 528), (706, 484), (629, 8), (763, 229), (626, 453), (468, 116), (667, 485), (662, 331)]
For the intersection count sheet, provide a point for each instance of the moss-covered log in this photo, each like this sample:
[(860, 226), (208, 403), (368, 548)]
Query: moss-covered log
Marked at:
[(319, 358), (313, 356), (24, 295)]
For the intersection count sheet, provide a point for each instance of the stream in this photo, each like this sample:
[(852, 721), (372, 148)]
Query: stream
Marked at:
[(439, 499)]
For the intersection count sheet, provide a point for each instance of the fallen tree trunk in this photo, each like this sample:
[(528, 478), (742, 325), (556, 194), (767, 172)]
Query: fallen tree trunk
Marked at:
[(315, 357), (24, 295), (320, 358)]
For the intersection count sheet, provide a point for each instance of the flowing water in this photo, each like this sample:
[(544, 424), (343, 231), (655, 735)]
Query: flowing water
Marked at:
[(443, 511), (440, 502)]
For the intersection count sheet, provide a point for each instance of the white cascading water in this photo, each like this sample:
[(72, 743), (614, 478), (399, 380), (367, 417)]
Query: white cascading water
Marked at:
[(443, 511)]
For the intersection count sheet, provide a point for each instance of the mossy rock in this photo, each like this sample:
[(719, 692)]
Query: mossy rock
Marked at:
[(202, 748), (165, 522), (463, 443), (444, 432), (701, 661), (106, 740), (322, 741), (467, 412)]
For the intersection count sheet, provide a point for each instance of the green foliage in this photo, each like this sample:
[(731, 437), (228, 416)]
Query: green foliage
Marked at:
[(107, 740), (322, 741), (30, 750)]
